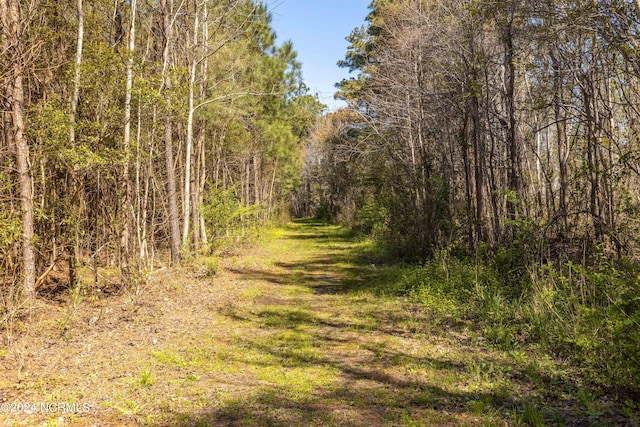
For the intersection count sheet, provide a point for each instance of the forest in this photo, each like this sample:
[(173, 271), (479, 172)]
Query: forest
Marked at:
[(498, 141), (486, 172), (133, 129)]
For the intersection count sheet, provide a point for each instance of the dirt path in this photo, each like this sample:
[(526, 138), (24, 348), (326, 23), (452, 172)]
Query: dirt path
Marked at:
[(284, 334)]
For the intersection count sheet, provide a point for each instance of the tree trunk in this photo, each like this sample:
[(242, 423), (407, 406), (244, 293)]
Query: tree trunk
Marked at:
[(189, 142), (512, 146), (174, 221), (201, 186), (562, 143), (125, 235), (75, 97), (11, 31), (478, 143)]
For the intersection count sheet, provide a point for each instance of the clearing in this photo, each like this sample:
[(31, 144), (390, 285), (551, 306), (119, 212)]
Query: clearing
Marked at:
[(285, 333)]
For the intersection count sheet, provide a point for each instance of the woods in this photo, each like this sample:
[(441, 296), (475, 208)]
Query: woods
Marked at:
[(498, 122), (498, 141), (139, 132), (466, 241)]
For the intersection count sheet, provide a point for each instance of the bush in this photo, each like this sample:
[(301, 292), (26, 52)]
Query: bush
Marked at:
[(227, 219)]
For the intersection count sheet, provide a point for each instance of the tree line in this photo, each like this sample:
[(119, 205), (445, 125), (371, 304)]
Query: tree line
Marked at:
[(495, 143), (488, 123), (134, 129)]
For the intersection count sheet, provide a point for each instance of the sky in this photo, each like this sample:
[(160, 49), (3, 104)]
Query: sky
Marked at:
[(318, 29)]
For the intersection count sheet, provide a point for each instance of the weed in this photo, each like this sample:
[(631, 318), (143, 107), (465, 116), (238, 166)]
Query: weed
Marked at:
[(131, 407), (519, 357), (193, 377), (586, 398), (530, 416), (75, 295), (11, 305), (169, 358), (55, 422), (147, 378), (557, 419), (209, 267), (477, 407), (75, 298), (503, 389)]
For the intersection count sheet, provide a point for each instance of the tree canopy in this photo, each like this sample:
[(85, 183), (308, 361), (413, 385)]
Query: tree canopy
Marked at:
[(137, 117)]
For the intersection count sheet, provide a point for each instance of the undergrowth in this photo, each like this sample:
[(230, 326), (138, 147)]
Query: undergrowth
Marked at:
[(588, 316)]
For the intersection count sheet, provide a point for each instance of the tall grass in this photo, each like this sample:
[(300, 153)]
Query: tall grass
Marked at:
[(589, 316)]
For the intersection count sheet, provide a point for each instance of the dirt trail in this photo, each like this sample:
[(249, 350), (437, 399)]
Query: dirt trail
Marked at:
[(284, 334)]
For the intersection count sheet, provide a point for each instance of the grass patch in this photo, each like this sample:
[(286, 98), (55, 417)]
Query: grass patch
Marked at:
[(298, 383), (147, 378), (584, 315), (313, 327), (279, 317)]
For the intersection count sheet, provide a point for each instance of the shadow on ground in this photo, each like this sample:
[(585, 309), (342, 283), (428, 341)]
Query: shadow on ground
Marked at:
[(343, 363)]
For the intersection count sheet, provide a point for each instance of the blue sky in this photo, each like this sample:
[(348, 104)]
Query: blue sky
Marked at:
[(318, 29)]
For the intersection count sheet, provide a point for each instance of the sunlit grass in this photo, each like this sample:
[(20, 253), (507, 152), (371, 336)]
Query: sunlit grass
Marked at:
[(298, 383), (310, 328)]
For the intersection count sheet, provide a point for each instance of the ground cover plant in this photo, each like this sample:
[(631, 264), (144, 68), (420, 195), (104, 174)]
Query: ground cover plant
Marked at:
[(308, 327)]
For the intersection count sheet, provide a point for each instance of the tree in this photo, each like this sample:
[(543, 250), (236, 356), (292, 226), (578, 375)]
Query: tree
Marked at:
[(174, 226), (14, 122), (125, 100), (493, 121), (125, 206)]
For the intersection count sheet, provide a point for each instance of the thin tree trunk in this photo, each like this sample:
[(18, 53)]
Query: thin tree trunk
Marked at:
[(593, 164), (174, 221), (201, 185), (203, 152), (189, 142), (125, 236), (478, 145), (195, 180), (464, 148), (512, 146), (76, 77), (11, 29), (273, 180), (563, 147), (140, 219), (75, 97), (492, 180), (256, 179)]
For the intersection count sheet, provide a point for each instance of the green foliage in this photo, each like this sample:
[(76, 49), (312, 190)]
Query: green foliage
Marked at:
[(226, 217), (587, 315), (591, 315), (221, 210), (10, 222), (208, 266), (532, 416), (147, 378), (444, 280), (371, 217), (510, 263), (50, 126)]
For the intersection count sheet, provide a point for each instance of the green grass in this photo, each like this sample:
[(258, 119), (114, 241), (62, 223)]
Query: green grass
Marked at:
[(588, 316), (311, 327), (147, 378)]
